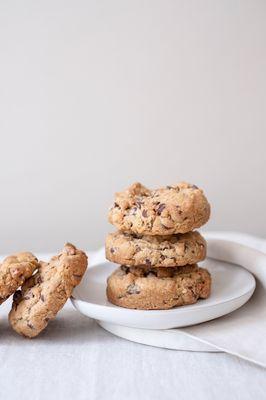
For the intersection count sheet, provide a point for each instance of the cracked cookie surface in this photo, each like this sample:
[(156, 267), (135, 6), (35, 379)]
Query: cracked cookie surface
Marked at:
[(158, 288), (45, 293), (174, 209), (14, 270), (155, 251)]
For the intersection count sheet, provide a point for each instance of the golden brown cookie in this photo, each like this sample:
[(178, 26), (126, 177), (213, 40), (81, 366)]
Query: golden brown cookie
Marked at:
[(155, 251), (14, 271), (158, 288), (45, 293), (174, 209)]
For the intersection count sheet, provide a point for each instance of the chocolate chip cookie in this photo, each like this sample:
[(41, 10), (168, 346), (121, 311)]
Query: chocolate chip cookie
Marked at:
[(155, 251), (158, 288), (45, 293), (174, 209), (14, 271)]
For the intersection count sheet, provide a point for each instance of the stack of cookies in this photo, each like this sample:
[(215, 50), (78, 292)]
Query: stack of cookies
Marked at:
[(157, 247)]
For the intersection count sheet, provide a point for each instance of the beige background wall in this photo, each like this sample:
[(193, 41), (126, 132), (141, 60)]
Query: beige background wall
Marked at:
[(97, 94)]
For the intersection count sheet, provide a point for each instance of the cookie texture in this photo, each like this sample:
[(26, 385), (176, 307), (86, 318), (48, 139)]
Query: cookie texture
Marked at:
[(14, 271), (158, 288), (45, 293), (174, 209), (155, 251)]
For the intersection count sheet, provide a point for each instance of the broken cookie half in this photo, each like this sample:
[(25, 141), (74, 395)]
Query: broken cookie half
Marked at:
[(45, 293)]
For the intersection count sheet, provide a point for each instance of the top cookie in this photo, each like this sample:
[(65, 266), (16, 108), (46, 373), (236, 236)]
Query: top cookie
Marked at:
[(174, 209)]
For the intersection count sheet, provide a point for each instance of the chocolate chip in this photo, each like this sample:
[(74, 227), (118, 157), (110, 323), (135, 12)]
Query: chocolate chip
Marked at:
[(134, 210), (144, 213), (165, 227), (17, 296), (42, 297), (169, 187), (46, 319), (38, 279), (116, 205), (160, 208), (30, 325), (194, 187), (133, 289), (125, 268), (112, 250), (139, 203), (148, 262)]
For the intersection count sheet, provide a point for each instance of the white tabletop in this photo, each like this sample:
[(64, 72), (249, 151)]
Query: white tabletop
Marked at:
[(76, 359)]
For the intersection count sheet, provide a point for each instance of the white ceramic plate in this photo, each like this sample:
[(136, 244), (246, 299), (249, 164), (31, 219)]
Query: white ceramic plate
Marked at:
[(232, 286)]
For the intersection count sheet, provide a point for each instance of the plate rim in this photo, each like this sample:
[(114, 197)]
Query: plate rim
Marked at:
[(179, 310)]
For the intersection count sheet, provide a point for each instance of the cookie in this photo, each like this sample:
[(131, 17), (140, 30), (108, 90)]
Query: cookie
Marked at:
[(45, 293), (155, 251), (14, 271), (174, 209), (158, 288)]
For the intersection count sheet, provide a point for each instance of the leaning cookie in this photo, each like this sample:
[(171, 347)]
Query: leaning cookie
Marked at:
[(174, 209), (155, 251), (14, 271), (45, 293), (158, 288)]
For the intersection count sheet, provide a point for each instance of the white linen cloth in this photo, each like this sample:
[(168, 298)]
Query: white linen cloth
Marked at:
[(74, 358), (242, 332)]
